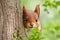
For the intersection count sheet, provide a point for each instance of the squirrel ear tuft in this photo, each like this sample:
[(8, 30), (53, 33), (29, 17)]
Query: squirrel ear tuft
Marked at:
[(37, 9), (24, 9)]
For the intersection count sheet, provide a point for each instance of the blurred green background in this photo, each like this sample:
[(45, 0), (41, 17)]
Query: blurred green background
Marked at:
[(49, 17)]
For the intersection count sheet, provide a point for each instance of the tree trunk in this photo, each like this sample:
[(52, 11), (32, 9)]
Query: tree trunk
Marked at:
[(1, 21), (10, 18)]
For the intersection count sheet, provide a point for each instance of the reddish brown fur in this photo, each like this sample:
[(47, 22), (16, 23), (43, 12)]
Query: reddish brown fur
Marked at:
[(31, 17)]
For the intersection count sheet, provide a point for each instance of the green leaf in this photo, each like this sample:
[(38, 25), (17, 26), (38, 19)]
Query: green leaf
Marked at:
[(58, 3)]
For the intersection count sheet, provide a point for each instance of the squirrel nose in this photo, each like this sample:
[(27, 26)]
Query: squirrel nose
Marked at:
[(32, 25)]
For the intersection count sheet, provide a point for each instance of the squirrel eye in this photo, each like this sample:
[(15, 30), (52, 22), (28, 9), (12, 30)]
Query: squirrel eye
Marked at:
[(25, 19), (36, 20)]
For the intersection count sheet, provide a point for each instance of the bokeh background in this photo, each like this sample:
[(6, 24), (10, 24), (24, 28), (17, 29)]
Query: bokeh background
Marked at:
[(49, 17)]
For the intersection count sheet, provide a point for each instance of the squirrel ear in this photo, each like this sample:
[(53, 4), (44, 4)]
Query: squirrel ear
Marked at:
[(37, 9), (24, 9)]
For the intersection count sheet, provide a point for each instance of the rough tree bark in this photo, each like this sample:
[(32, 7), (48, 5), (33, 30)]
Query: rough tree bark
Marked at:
[(10, 18), (1, 21)]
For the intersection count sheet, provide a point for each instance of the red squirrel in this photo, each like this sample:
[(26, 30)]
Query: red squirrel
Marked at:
[(31, 18)]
